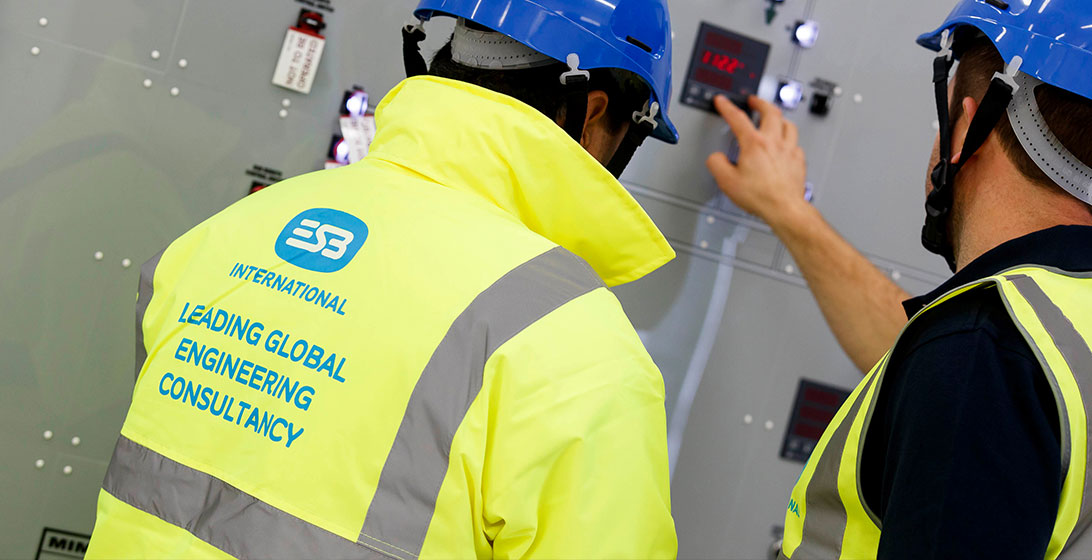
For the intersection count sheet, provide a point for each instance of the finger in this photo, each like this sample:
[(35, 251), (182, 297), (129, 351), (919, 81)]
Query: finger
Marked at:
[(722, 169), (741, 124), (791, 133), (771, 115)]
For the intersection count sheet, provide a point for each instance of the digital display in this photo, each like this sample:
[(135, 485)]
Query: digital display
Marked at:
[(814, 408), (723, 62)]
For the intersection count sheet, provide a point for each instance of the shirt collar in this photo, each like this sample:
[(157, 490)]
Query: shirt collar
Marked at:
[(496, 147), (1062, 247)]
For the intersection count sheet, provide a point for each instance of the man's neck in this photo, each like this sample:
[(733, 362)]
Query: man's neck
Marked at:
[(1003, 212)]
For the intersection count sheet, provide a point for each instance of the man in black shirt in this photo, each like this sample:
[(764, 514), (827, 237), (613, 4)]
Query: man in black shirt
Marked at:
[(967, 439)]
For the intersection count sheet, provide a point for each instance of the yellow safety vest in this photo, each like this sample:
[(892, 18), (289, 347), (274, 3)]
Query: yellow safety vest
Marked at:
[(412, 356), (827, 516)]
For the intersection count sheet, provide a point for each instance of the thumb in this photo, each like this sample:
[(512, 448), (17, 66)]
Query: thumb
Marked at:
[(723, 170)]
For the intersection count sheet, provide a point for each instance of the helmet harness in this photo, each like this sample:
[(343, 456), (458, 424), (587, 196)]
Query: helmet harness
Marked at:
[(575, 83), (935, 235)]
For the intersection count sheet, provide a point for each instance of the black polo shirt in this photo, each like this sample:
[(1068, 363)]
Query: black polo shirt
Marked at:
[(962, 457)]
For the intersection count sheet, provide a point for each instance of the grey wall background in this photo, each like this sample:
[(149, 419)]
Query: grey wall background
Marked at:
[(92, 161)]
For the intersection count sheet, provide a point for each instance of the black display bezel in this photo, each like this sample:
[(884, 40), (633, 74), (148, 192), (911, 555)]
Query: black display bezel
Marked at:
[(699, 93)]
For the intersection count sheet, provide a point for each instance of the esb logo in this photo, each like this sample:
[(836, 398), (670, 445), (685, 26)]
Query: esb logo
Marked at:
[(321, 239)]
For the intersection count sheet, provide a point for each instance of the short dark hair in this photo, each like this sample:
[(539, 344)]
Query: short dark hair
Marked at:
[(1068, 115), (541, 87)]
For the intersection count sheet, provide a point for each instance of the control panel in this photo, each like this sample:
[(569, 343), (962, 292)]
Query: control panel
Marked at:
[(814, 407), (723, 62)]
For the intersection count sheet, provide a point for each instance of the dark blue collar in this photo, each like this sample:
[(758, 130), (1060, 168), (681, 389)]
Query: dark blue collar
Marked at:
[(1064, 247)]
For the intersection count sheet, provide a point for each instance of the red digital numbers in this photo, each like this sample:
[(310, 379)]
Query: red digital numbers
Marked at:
[(722, 62)]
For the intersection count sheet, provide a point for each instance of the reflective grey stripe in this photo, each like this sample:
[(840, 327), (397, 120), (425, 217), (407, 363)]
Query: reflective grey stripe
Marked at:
[(1077, 355), (144, 296), (824, 514), (401, 511), (1020, 282), (216, 512)]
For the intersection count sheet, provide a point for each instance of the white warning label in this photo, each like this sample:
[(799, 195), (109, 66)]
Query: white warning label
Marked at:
[(299, 60)]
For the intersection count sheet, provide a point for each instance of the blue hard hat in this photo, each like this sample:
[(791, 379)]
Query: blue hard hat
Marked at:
[(1054, 37), (633, 35)]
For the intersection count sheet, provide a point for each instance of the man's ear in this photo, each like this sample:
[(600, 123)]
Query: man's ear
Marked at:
[(596, 115), (960, 128)]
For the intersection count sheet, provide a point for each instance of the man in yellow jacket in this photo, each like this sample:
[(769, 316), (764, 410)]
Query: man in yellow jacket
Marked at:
[(418, 356)]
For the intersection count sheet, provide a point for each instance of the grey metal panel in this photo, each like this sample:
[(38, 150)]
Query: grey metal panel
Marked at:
[(124, 31), (730, 488)]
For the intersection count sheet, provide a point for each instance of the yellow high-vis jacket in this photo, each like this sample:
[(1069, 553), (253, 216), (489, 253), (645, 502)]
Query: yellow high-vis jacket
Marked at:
[(414, 356)]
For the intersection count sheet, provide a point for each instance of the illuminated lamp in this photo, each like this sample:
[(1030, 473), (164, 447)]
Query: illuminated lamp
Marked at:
[(789, 94), (355, 102), (806, 33), (339, 150)]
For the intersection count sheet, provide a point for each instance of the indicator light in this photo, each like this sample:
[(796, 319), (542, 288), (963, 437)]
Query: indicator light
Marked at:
[(339, 150), (355, 102), (789, 94), (806, 33)]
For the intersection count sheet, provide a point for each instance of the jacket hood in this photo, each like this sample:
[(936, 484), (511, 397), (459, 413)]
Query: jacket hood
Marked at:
[(473, 139)]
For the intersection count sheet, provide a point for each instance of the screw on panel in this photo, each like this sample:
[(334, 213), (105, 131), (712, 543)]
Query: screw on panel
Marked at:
[(39, 463), (147, 82), (936, 124), (710, 220), (769, 425), (35, 51), (790, 269), (98, 255), (155, 55), (43, 22), (283, 113), (748, 419), (75, 440), (67, 469), (126, 263), (182, 63), (47, 435), (896, 275), (704, 244), (175, 92), (838, 91), (858, 98), (286, 103)]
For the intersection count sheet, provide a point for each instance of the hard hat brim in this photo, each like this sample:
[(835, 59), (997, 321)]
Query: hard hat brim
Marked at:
[(1047, 58)]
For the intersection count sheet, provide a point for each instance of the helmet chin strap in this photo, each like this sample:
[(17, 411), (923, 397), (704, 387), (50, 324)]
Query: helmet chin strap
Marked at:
[(576, 83), (644, 124), (412, 35), (936, 233)]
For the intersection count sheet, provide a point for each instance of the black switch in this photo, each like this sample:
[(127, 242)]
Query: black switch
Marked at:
[(820, 104)]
